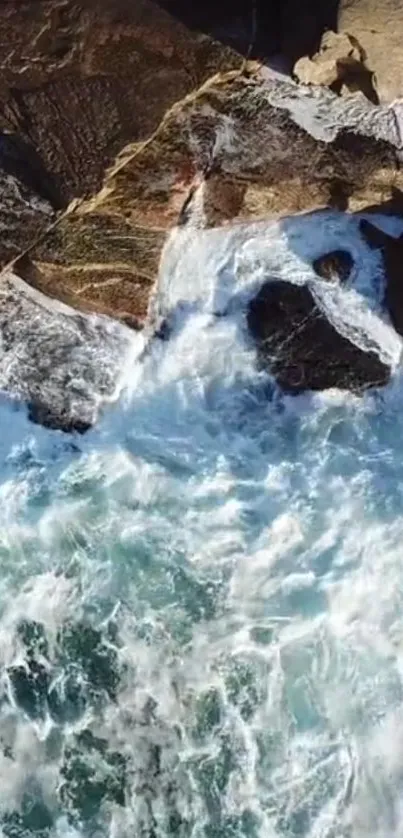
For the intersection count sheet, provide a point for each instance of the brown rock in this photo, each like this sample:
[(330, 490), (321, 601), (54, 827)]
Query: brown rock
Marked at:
[(80, 78), (335, 266), (338, 64), (377, 25), (257, 163), (392, 253), (302, 349)]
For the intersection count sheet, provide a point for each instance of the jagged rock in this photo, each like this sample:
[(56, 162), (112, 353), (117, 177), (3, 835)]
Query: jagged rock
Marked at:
[(80, 78), (231, 151), (377, 25), (339, 64), (392, 254), (335, 266), (302, 349)]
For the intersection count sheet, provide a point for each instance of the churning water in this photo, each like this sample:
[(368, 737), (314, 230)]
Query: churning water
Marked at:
[(201, 600)]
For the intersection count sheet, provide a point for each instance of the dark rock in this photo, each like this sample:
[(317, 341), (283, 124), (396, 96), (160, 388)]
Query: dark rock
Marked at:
[(62, 420), (302, 349), (335, 266), (392, 253)]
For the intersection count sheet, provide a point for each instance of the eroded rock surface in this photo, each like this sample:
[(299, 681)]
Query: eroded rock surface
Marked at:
[(302, 349)]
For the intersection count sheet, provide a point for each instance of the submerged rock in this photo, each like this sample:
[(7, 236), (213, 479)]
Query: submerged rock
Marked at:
[(335, 266), (302, 349), (392, 254)]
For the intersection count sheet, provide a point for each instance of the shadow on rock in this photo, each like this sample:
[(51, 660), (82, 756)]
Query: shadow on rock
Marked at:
[(392, 254)]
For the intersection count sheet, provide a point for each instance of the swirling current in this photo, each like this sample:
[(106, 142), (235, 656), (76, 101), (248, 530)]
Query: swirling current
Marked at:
[(201, 599)]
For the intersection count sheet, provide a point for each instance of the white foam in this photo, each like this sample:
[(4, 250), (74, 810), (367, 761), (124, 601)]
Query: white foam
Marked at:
[(246, 548)]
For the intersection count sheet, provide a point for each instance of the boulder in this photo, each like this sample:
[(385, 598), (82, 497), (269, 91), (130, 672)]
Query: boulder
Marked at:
[(392, 255), (377, 25), (339, 64), (302, 350), (336, 266), (231, 151)]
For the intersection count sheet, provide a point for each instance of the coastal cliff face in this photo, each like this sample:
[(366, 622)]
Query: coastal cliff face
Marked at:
[(122, 120)]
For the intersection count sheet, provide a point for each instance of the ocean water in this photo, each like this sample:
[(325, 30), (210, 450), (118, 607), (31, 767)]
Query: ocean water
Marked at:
[(201, 600)]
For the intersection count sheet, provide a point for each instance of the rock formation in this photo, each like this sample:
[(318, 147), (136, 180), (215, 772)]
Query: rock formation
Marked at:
[(335, 266), (302, 349), (81, 79), (121, 119), (340, 65), (377, 25), (78, 81), (232, 152)]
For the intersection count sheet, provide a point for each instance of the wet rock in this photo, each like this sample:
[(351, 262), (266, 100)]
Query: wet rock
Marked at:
[(59, 364), (61, 419), (302, 349), (377, 25), (231, 151), (335, 266), (392, 255)]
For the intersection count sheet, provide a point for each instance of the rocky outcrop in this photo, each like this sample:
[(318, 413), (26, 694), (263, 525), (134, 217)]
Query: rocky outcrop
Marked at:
[(340, 65), (301, 348), (377, 25), (392, 255), (233, 151), (120, 120), (81, 79)]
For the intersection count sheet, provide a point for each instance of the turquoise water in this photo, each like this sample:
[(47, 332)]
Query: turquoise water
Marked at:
[(201, 600)]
